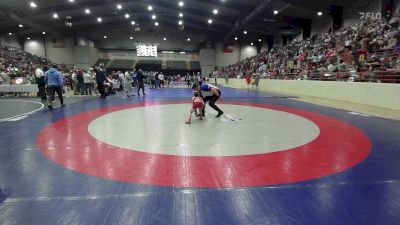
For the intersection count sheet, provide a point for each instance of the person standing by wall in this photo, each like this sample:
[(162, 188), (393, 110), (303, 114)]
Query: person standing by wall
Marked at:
[(100, 79), (140, 77), (87, 79), (41, 82), (55, 83)]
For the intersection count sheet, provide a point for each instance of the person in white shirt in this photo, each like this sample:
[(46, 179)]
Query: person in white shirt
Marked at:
[(41, 82), (161, 78), (127, 81), (88, 83)]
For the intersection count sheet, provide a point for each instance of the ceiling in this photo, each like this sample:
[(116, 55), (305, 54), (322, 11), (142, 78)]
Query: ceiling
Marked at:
[(234, 16)]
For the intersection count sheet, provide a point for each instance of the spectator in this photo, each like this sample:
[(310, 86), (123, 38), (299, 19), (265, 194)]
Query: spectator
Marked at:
[(55, 83)]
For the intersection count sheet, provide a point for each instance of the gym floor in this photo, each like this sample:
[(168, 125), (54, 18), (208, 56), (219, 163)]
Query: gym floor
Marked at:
[(269, 160)]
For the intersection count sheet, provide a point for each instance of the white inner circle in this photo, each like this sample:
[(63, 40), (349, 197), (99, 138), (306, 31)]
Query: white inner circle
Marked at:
[(161, 129)]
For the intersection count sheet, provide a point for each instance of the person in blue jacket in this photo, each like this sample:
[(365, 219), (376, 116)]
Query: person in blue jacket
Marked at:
[(210, 93), (54, 83)]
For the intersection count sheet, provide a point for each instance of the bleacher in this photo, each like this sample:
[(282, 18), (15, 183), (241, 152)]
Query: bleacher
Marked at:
[(195, 65), (119, 64), (149, 65), (176, 65), (101, 61)]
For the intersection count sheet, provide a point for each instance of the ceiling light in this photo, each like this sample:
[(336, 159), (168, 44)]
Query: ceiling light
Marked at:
[(275, 12), (127, 16), (150, 8), (87, 11), (181, 3), (131, 38), (10, 34), (165, 39), (210, 21), (319, 13), (156, 23), (119, 6), (43, 33), (252, 43), (180, 14), (153, 17), (245, 32), (105, 37), (33, 5), (71, 0), (21, 26), (236, 38), (259, 40), (28, 38), (182, 52), (133, 22), (55, 16), (215, 11), (188, 39), (99, 20), (180, 22)]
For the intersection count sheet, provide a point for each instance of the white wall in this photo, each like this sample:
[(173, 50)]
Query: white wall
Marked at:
[(35, 47), (175, 41), (11, 41), (351, 15), (322, 25), (248, 51), (224, 59), (207, 61), (81, 56)]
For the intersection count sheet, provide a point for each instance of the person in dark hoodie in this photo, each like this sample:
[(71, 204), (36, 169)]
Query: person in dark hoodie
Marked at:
[(55, 83), (100, 79)]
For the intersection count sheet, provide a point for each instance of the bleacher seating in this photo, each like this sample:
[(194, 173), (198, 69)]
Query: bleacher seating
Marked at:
[(176, 65), (121, 64), (195, 65)]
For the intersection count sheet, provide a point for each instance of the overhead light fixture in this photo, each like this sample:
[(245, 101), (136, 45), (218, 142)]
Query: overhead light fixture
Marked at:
[(165, 39), (71, 0), (210, 21), (150, 8), (153, 17), (180, 22), (188, 39), (43, 33), (133, 22), (252, 43), (87, 11), (182, 52), (119, 6), (319, 13), (105, 37), (10, 34), (236, 38), (156, 24), (28, 38), (168, 52), (259, 40), (180, 14), (127, 16), (55, 16), (131, 38), (181, 4), (21, 26), (245, 32), (275, 12), (99, 20), (215, 11), (33, 5)]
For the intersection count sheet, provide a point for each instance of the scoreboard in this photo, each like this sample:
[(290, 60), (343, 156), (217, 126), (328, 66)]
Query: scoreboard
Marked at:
[(146, 50)]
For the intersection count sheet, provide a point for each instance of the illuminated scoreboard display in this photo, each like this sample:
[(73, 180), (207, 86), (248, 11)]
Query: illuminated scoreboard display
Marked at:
[(146, 50)]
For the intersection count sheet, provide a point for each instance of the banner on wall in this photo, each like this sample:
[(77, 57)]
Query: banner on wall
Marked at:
[(57, 43), (132, 55), (228, 48)]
